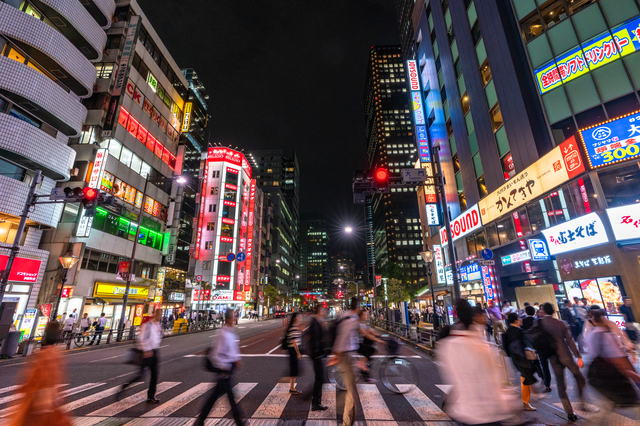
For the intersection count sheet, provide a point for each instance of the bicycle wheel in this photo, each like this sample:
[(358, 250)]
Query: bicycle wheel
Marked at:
[(79, 340), (398, 375), (335, 377)]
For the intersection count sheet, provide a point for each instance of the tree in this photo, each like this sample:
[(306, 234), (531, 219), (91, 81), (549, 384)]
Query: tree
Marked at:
[(352, 290), (271, 295), (396, 291)]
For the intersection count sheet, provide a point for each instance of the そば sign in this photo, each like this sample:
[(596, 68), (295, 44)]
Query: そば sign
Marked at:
[(585, 231)]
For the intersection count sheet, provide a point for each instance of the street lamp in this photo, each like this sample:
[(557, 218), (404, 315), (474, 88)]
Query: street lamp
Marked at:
[(427, 256), (348, 229), (67, 262)]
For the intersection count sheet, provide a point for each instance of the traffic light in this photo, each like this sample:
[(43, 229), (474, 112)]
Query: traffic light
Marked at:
[(89, 197), (381, 177)]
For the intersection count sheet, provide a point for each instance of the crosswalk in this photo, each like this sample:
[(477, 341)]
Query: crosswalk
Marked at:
[(94, 404)]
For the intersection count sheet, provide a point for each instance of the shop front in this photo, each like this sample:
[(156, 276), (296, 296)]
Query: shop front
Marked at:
[(108, 297), (173, 305), (24, 275), (471, 284), (218, 300)]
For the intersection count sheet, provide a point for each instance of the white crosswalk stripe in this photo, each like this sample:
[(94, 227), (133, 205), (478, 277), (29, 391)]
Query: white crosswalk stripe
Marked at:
[(273, 405), (373, 405), (94, 398), (126, 403), (179, 401), (426, 409), (9, 389), (328, 400), (222, 407), (5, 412)]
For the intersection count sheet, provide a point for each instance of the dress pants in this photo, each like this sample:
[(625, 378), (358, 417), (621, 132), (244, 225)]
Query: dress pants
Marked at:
[(318, 369), (558, 369), (152, 364), (223, 386), (349, 378)]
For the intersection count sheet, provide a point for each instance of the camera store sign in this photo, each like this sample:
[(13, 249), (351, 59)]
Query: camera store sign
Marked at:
[(586, 231)]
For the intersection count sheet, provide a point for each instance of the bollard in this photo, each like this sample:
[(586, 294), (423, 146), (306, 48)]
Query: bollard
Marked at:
[(28, 347), (109, 336)]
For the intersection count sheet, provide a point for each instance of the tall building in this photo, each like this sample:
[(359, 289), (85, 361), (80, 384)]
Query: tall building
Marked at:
[(343, 266), (395, 219), (47, 71), (315, 265), (533, 107), (277, 173)]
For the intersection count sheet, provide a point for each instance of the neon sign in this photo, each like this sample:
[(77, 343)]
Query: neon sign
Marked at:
[(612, 141), (418, 110)]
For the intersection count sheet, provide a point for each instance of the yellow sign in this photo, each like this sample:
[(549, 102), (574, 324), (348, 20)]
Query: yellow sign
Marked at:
[(117, 290), (558, 166), (187, 116), (157, 299)]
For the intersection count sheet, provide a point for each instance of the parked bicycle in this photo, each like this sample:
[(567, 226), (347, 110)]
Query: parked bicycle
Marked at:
[(396, 373)]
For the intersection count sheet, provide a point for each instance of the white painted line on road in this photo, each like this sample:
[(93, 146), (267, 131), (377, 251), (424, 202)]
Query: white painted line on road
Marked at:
[(328, 400), (273, 405), (10, 388), (87, 421), (426, 409), (222, 407), (445, 388), (274, 349), (373, 405), (257, 341), (81, 388), (104, 359), (265, 355), (9, 410), (179, 401), (94, 398), (126, 403)]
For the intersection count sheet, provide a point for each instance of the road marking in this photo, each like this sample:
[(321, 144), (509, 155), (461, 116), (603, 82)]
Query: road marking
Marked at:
[(179, 401), (328, 400), (11, 398), (94, 398), (222, 407), (87, 421), (103, 359), (257, 341), (426, 409), (126, 403), (81, 388), (9, 410), (445, 388), (10, 388), (373, 405), (274, 349), (273, 405)]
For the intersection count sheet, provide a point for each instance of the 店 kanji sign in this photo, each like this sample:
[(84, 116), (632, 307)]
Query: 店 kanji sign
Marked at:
[(558, 166), (585, 231), (625, 222)]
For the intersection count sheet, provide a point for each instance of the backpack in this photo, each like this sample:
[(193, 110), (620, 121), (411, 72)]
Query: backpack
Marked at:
[(541, 340), (333, 330)]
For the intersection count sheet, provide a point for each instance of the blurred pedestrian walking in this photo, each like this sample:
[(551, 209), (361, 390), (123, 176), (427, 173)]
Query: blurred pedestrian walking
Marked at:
[(514, 347), (632, 327), (293, 340), (40, 405), (99, 329), (495, 315), (317, 340), (148, 343), (224, 359)]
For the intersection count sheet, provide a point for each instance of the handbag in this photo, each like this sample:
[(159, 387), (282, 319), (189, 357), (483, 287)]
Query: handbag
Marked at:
[(531, 354), (133, 357)]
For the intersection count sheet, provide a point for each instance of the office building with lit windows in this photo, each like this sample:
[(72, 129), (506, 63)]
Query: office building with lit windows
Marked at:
[(391, 144), (315, 268)]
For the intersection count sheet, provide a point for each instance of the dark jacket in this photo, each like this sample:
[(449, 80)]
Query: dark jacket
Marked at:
[(513, 345), (527, 323), (564, 342), (317, 339)]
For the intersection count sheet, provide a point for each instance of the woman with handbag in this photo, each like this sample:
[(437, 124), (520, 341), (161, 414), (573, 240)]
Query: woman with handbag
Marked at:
[(610, 373), (293, 339), (513, 344)]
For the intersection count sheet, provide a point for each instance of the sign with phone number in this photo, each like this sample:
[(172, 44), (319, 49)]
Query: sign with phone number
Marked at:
[(594, 53), (613, 141)]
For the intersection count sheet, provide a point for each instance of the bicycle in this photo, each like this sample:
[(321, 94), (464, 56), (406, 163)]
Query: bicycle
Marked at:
[(397, 374), (81, 339)]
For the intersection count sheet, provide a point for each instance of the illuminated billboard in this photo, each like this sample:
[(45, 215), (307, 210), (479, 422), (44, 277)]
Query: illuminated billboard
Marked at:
[(612, 141)]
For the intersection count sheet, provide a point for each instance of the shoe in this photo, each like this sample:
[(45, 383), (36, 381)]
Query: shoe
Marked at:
[(90, 343), (587, 408), (119, 393), (294, 392), (547, 389), (528, 407), (319, 407), (573, 417), (152, 401)]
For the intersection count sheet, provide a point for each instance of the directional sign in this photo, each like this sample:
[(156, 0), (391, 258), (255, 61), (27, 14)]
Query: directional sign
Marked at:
[(487, 254), (487, 262), (241, 257), (414, 175), (231, 257), (198, 277), (57, 194)]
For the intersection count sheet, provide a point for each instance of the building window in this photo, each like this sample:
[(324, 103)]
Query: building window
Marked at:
[(214, 190), (208, 245), (212, 208), (211, 226)]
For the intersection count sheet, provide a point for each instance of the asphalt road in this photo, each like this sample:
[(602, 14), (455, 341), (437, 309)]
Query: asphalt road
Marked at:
[(261, 388)]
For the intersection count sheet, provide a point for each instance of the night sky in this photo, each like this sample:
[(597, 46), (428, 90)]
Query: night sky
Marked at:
[(286, 74)]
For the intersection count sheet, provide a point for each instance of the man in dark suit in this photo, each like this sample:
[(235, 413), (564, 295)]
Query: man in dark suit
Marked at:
[(565, 346), (317, 350), (527, 322)]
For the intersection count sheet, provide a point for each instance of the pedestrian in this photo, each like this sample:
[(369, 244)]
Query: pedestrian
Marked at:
[(514, 347), (148, 343), (366, 348), (565, 346), (495, 315), (64, 317), (536, 306), (316, 338), (40, 403), (544, 361), (630, 320), (99, 329), (507, 309), (527, 322), (224, 357), (85, 323), (581, 311), (292, 339), (610, 373), (67, 327), (344, 346)]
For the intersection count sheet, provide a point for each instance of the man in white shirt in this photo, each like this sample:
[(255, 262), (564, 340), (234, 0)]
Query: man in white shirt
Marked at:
[(74, 314), (346, 344), (508, 309), (225, 357), (101, 323), (148, 342), (85, 323), (67, 327)]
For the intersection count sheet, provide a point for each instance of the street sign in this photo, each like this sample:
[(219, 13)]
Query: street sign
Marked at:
[(57, 194), (198, 277), (487, 254), (231, 257), (487, 262), (241, 257), (414, 175)]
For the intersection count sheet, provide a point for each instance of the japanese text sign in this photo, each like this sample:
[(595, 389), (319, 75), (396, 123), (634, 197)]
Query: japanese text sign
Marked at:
[(432, 215), (423, 144), (598, 52), (585, 231), (558, 166), (418, 110), (520, 256), (437, 255), (460, 226), (625, 222), (612, 141), (23, 270), (98, 168), (487, 283), (470, 272)]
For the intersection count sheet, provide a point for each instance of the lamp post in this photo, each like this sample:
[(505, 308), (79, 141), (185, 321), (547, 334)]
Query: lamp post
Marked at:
[(67, 262), (349, 230), (180, 180)]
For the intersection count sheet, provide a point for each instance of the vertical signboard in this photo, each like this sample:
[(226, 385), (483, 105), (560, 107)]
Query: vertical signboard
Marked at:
[(99, 164), (187, 116), (418, 112), (203, 197), (437, 255), (249, 251), (160, 284), (487, 284)]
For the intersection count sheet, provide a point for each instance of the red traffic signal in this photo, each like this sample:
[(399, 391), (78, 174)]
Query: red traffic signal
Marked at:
[(90, 194), (381, 174)]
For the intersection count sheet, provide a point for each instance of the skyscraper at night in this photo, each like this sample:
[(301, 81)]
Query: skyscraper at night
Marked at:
[(315, 268), (395, 219)]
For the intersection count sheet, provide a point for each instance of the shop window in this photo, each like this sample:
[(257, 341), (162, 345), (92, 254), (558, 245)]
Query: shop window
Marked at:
[(621, 185), (113, 264), (508, 168), (228, 212), (463, 201), (482, 187), (226, 230), (211, 226), (465, 103), (229, 195), (554, 13), (531, 26), (485, 73), (224, 268), (492, 235), (232, 178), (93, 260), (506, 230), (521, 222)]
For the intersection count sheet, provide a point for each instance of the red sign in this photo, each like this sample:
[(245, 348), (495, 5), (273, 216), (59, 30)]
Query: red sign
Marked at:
[(229, 203), (201, 218), (222, 258), (462, 225), (226, 239), (227, 221), (23, 270), (414, 82), (230, 186), (232, 170), (45, 309), (206, 295), (571, 157), (223, 278), (238, 295), (67, 292)]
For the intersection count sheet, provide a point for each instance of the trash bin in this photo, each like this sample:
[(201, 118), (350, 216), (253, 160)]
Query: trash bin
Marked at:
[(10, 344)]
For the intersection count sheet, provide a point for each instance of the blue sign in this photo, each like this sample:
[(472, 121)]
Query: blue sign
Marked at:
[(470, 273), (487, 254), (241, 257), (617, 140), (423, 144), (539, 250), (231, 257)]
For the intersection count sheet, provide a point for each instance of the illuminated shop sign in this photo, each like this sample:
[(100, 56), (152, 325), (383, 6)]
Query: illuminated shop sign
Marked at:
[(487, 283), (187, 116), (432, 215), (226, 239), (594, 261), (84, 224), (625, 222), (520, 256), (414, 76), (460, 226), (201, 216), (437, 255), (176, 297), (223, 278), (612, 141), (470, 273), (539, 250), (418, 110), (100, 162), (228, 221), (585, 231), (23, 270), (423, 144), (229, 203), (594, 54), (230, 186), (230, 156), (555, 168)]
